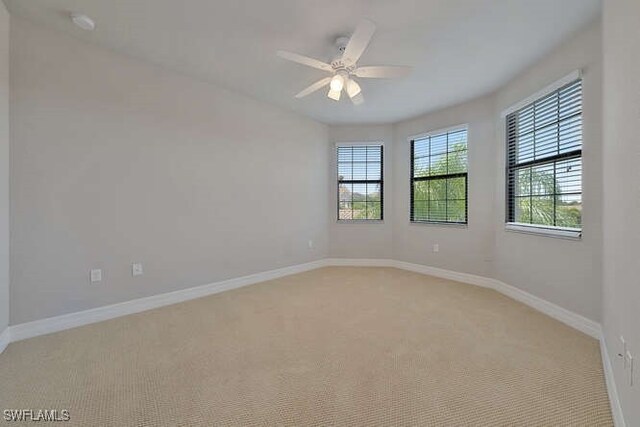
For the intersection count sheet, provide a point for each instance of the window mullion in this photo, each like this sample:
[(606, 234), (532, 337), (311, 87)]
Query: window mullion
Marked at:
[(446, 183), (555, 175), (429, 185)]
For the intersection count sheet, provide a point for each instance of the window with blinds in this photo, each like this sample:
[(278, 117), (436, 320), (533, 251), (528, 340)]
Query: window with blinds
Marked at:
[(360, 182), (439, 178), (544, 161)]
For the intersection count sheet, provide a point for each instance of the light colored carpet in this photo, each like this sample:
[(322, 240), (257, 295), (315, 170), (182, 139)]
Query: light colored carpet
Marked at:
[(334, 346)]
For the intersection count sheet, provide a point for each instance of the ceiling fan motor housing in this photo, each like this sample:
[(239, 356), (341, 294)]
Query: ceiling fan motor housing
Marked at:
[(337, 63), (341, 43)]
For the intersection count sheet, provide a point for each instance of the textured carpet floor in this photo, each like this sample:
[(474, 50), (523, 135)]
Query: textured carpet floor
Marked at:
[(334, 346)]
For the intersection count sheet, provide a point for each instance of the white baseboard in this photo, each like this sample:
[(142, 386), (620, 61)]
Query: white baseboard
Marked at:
[(72, 320), (5, 339), (565, 316), (470, 279), (360, 262), (576, 321), (614, 400), (67, 321)]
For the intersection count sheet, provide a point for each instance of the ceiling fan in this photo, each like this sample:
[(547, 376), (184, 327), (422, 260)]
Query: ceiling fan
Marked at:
[(344, 66)]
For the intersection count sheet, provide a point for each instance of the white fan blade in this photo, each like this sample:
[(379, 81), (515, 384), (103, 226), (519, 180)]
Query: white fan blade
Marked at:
[(314, 87), (304, 60), (358, 42), (382, 72)]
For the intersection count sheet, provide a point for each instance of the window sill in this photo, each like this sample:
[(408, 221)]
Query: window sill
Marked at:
[(558, 233), (440, 224)]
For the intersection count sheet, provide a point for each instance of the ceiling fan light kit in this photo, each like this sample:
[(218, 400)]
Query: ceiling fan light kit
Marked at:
[(334, 94), (344, 67), (353, 88), (357, 99), (337, 82)]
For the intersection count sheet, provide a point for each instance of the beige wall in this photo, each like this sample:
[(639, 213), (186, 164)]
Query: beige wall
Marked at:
[(115, 161), (362, 239), (4, 168), (564, 272), (622, 196)]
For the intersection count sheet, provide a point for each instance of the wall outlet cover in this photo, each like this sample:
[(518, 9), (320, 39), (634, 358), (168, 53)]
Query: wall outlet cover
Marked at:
[(623, 352), (136, 269), (96, 275), (629, 360)]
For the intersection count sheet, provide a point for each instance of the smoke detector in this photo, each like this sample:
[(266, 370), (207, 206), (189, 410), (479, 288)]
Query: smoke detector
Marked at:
[(83, 21)]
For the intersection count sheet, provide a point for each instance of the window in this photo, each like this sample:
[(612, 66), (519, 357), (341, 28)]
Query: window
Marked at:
[(360, 182), (439, 178), (544, 161)]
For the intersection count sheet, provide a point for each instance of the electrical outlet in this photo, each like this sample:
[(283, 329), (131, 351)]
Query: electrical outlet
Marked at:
[(310, 244), (629, 361), (136, 269), (623, 352), (95, 275), (436, 247)]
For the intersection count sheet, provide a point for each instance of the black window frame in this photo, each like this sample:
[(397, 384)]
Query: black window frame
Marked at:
[(512, 138), (465, 175), (365, 181)]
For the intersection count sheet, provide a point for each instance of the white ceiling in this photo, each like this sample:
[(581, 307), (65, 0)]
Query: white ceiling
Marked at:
[(460, 49)]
